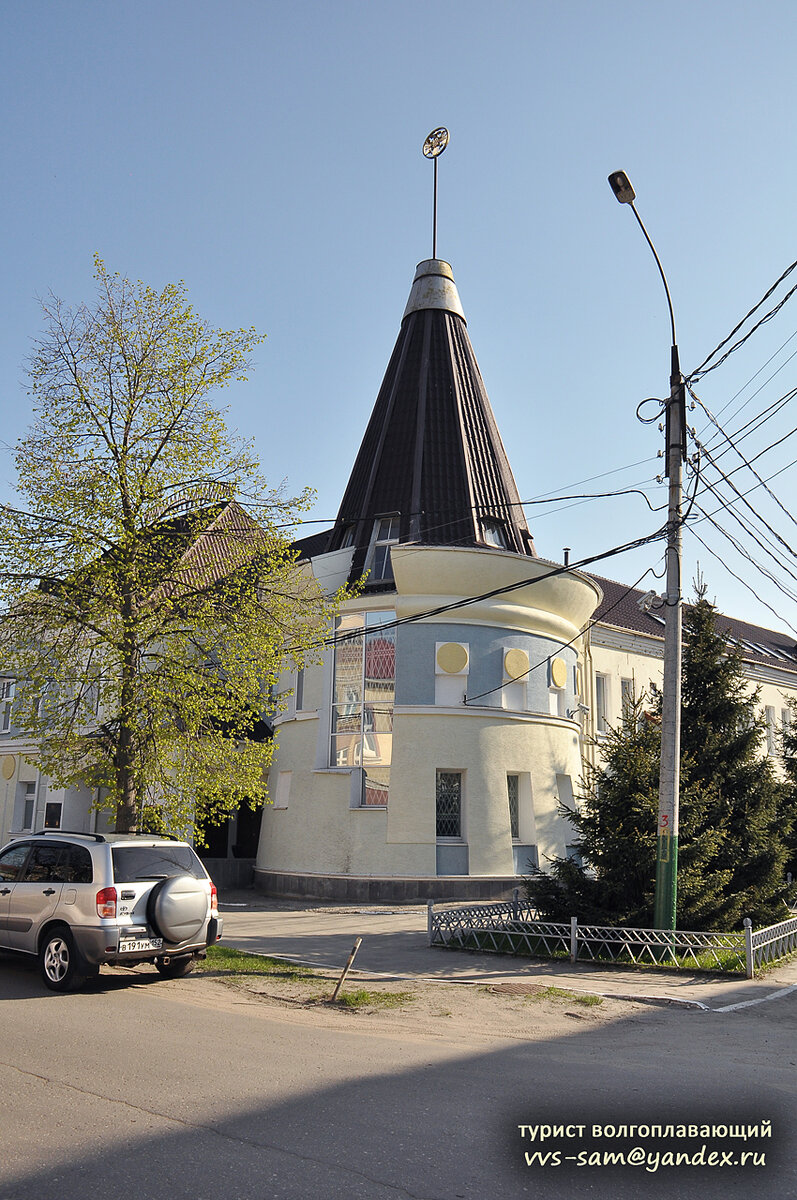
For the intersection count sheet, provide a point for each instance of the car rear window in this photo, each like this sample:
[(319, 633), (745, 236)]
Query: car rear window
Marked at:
[(154, 862)]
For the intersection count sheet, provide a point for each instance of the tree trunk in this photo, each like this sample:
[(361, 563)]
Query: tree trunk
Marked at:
[(127, 808)]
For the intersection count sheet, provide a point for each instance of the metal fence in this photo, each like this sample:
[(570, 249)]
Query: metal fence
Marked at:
[(766, 946), (514, 927)]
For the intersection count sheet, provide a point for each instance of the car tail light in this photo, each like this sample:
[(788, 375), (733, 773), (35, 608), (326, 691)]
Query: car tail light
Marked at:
[(214, 900), (106, 902)]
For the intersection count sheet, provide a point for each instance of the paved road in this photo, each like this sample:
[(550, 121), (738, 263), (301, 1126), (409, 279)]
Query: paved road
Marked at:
[(395, 942), (190, 1091)]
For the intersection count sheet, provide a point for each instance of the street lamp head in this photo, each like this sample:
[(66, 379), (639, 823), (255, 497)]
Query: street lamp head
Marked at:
[(621, 186)]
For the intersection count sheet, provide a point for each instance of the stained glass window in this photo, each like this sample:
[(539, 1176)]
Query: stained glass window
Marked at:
[(363, 695)]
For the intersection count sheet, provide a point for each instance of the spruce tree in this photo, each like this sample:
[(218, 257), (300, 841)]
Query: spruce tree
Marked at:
[(789, 806), (616, 824), (733, 836), (722, 764)]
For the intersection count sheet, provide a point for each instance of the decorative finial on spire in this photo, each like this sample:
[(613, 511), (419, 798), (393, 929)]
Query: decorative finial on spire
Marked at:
[(433, 147)]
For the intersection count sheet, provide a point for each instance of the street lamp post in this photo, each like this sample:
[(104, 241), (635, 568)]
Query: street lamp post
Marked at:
[(669, 777)]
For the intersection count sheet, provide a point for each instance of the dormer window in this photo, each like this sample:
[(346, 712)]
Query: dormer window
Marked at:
[(494, 533), (385, 535)]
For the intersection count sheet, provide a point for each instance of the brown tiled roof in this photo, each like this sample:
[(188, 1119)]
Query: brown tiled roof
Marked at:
[(620, 608)]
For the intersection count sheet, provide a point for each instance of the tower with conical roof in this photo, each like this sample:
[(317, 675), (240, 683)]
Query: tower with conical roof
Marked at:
[(432, 469), (427, 756)]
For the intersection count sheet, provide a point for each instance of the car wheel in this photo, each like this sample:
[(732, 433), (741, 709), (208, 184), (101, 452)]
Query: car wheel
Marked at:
[(178, 908), (59, 964), (176, 969)]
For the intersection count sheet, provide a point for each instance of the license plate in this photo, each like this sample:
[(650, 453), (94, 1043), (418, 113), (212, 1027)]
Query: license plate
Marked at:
[(139, 944)]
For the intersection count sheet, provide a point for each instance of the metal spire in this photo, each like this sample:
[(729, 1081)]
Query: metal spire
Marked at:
[(433, 147)]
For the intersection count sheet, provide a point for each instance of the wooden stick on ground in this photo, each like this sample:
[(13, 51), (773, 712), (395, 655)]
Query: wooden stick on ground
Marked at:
[(346, 969)]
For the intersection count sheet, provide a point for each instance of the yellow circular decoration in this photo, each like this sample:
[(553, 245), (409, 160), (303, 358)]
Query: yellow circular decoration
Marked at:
[(9, 766), (558, 672), (452, 658), (516, 663)]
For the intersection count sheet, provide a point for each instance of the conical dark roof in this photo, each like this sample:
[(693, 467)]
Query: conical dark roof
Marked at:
[(432, 456)]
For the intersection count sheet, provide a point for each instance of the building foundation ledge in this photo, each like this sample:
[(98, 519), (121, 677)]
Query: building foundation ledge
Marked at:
[(368, 889)]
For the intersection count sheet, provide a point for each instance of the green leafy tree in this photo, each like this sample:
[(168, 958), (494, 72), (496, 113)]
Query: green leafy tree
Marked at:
[(145, 609), (732, 850)]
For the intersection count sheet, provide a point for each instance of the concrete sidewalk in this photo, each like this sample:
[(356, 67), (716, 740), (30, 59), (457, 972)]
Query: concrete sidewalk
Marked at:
[(395, 944)]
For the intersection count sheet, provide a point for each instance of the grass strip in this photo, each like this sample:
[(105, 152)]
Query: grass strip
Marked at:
[(363, 998), (224, 960)]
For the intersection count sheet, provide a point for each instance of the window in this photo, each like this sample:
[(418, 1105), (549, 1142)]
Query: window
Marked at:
[(12, 862), (298, 692), (386, 534), (513, 791), (42, 865), (134, 863), (91, 700), (601, 703), (52, 815), (363, 695), (564, 789), (29, 805), (6, 704), (376, 783), (772, 738), (627, 698), (448, 802), (494, 533)]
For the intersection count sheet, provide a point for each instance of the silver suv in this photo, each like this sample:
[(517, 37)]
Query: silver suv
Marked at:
[(76, 900)]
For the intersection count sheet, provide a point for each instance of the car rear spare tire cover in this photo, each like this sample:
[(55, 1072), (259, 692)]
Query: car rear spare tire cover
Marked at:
[(178, 907)]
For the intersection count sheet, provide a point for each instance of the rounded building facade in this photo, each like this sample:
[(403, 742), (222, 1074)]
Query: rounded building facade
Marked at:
[(428, 755)]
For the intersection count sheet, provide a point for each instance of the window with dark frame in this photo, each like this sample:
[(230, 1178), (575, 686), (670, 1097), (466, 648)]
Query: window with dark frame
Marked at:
[(386, 534), (448, 802), (52, 814), (513, 792), (494, 533)]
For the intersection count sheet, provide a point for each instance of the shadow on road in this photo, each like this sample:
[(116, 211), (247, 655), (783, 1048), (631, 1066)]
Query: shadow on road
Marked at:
[(21, 980), (226, 1104)]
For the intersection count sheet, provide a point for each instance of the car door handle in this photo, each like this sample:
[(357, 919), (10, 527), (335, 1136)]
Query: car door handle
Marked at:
[(48, 892), (4, 891)]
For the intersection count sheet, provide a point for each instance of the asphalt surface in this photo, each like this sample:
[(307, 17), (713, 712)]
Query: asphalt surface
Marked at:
[(189, 1090), (395, 944)]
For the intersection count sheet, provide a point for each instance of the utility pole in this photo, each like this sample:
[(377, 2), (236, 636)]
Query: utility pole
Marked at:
[(670, 772)]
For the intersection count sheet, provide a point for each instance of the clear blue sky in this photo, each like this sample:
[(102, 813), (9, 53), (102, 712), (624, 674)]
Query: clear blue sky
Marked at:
[(269, 154)]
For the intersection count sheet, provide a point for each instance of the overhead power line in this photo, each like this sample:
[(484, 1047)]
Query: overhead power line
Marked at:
[(590, 625), (704, 368), (747, 463), (463, 602), (745, 583)]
